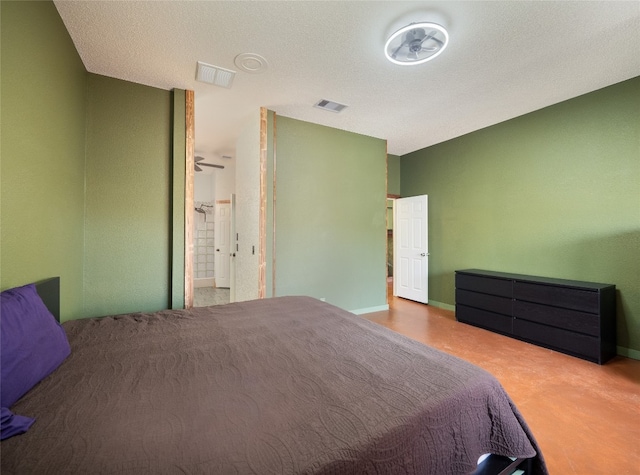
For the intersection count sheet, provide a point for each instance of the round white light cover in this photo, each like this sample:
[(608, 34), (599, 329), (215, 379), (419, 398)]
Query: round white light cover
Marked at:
[(416, 43)]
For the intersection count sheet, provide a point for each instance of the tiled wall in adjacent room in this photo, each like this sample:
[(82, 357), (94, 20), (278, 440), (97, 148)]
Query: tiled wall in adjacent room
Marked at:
[(204, 245)]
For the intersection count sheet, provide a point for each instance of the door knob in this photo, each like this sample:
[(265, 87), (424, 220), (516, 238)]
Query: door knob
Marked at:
[(424, 254)]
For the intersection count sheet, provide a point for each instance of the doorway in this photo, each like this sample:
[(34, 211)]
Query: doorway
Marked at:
[(410, 248), (211, 242), (389, 220), (244, 172), (222, 240)]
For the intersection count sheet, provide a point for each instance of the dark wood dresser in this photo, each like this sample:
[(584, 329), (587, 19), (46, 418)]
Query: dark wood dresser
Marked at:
[(573, 317)]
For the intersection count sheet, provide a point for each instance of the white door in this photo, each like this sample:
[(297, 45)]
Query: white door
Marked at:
[(410, 248), (233, 239), (222, 244)]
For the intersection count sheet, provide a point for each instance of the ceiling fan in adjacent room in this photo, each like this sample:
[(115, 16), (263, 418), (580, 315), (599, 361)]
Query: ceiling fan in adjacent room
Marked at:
[(198, 162)]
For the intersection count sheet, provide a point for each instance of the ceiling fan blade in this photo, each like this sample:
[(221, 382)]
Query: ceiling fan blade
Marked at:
[(397, 50), (198, 158), (211, 165), (432, 36), (198, 169)]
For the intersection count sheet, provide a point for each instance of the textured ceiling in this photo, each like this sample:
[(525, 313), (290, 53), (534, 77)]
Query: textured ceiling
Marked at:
[(505, 59)]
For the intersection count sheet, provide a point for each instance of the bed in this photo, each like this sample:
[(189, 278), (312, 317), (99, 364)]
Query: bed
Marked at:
[(288, 385)]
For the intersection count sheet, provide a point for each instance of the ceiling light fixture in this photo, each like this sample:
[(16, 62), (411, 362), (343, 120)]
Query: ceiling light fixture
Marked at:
[(416, 43), (251, 63)]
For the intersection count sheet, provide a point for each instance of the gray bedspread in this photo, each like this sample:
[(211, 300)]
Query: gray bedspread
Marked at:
[(279, 386)]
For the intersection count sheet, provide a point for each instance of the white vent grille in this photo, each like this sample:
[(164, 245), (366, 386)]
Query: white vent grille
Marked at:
[(214, 75), (329, 106)]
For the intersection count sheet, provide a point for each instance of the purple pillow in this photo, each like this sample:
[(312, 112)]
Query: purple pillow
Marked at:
[(33, 343), (11, 424)]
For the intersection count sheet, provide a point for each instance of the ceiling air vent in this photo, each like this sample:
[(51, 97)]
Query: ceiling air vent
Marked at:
[(329, 105), (214, 75)]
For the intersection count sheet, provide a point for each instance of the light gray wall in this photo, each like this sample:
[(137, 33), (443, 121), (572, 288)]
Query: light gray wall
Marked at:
[(248, 210)]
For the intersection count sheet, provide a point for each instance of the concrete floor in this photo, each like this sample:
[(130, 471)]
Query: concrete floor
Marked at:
[(585, 417), (206, 296)]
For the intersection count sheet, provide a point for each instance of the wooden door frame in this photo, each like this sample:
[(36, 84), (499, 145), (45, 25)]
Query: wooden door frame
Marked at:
[(262, 219), (189, 201), (188, 197), (390, 196)]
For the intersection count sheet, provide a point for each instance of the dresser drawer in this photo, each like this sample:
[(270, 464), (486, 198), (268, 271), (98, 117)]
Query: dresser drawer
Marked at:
[(486, 285), (484, 319), (573, 320), (558, 296), (570, 316), (562, 340), (484, 301)]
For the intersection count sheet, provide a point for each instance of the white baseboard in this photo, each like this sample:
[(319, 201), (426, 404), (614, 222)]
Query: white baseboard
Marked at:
[(362, 311)]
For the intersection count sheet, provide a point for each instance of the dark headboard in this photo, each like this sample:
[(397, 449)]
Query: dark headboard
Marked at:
[(49, 292)]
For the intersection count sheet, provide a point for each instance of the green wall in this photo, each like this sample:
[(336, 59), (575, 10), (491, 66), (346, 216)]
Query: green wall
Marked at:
[(128, 196), (330, 215), (179, 142), (88, 189), (553, 193), (393, 174), (43, 138)]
